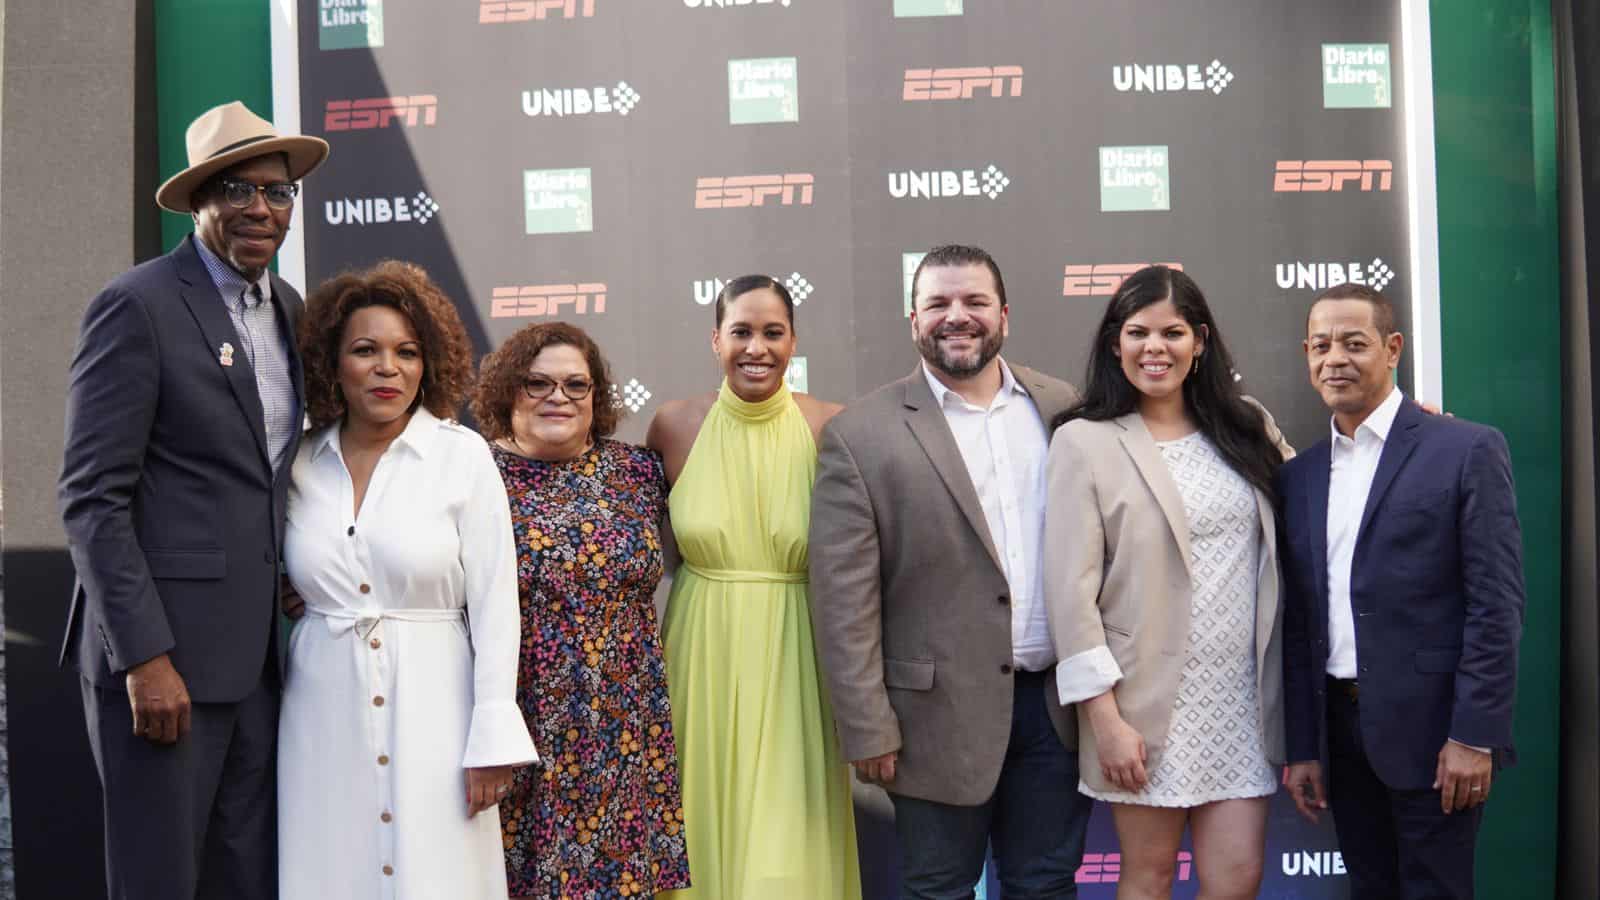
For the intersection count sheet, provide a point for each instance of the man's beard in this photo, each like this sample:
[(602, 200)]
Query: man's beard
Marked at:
[(945, 361)]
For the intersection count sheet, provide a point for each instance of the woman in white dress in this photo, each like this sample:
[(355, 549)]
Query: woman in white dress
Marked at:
[(399, 727), (1161, 576)]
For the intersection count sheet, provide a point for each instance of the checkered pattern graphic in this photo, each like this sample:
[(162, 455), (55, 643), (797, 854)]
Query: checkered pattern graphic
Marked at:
[(994, 181), (423, 207), (624, 97), (799, 288), (632, 396), (1379, 274), (1217, 76)]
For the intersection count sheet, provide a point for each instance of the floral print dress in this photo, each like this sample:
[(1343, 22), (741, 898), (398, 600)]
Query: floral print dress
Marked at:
[(602, 816)]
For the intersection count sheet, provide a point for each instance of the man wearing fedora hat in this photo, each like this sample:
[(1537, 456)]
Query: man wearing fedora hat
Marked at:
[(183, 412)]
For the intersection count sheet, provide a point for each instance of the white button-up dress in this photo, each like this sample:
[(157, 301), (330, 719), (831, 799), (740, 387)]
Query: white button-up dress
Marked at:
[(402, 673)]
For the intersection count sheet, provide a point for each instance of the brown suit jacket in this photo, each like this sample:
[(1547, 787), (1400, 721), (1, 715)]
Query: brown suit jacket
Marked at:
[(1117, 575), (909, 598)]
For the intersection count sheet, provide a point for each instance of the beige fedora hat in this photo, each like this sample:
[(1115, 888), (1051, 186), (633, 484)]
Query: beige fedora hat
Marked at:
[(229, 134)]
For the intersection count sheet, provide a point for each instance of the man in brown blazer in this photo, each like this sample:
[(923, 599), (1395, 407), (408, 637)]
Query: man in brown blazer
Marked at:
[(926, 530)]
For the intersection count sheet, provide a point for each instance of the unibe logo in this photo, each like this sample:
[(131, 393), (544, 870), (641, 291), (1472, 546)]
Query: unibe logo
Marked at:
[(1102, 279), (1319, 276), (1321, 175), (535, 300), (380, 210), (962, 84), (380, 112), (580, 101), (1158, 78), (740, 191), (1106, 868), (500, 12), (943, 183), (1313, 863), (798, 286), (724, 4)]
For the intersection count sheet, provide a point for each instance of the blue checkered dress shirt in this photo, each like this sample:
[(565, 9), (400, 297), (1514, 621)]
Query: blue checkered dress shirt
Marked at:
[(264, 344)]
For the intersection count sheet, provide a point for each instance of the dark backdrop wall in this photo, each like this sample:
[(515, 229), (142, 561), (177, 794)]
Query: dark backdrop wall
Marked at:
[(1495, 140)]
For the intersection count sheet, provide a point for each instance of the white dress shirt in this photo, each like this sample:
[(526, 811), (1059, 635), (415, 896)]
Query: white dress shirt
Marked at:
[(1352, 466), (1004, 448)]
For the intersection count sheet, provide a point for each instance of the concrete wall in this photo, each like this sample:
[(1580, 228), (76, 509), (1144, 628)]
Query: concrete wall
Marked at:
[(77, 173)]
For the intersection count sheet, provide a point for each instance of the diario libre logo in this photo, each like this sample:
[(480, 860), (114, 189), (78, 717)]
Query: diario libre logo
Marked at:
[(1320, 175), (943, 183), (501, 12), (908, 271), (911, 9), (580, 101), (763, 90), (342, 24), (1101, 279), (795, 375), (420, 209), (739, 191), (1156, 78), (532, 301), (1355, 76), (558, 200), (381, 112), (1134, 178), (1319, 276), (962, 83), (799, 288)]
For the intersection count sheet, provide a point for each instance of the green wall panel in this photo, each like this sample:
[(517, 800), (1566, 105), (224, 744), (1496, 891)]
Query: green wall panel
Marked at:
[(207, 52), (1500, 309)]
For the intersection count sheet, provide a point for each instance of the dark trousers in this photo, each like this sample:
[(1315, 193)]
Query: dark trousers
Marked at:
[(195, 819), (1397, 845), (1035, 819)]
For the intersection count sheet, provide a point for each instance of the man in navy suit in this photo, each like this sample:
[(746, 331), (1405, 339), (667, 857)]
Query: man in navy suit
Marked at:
[(183, 415), (1403, 598)]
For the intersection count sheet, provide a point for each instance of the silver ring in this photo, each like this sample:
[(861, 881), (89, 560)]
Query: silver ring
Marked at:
[(1476, 789)]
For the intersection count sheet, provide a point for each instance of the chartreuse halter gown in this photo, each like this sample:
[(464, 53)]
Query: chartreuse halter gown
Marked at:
[(767, 809)]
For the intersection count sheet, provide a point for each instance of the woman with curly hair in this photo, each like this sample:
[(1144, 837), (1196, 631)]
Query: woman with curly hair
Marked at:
[(399, 727), (604, 817)]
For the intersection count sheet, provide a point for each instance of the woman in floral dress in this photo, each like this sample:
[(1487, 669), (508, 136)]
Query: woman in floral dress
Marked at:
[(603, 816)]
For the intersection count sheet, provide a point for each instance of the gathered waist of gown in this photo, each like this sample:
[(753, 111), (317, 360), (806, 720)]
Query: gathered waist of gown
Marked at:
[(363, 621), (746, 576)]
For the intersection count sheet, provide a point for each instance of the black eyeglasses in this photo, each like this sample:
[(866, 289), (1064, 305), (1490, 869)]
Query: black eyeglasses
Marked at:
[(538, 387), (240, 194)]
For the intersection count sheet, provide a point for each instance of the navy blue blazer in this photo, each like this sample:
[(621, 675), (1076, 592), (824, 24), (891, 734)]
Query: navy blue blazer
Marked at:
[(1436, 590), (174, 516)]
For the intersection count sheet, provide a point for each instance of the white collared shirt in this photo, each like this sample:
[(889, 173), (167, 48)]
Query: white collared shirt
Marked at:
[(1004, 448), (1352, 466)]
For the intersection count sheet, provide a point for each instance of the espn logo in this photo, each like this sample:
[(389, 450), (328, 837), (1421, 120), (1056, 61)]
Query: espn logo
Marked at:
[(534, 300), (1102, 279), (499, 12), (1106, 868), (962, 84), (738, 191), (380, 112), (1319, 175)]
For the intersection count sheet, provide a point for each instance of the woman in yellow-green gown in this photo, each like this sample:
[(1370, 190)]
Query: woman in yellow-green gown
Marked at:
[(767, 810)]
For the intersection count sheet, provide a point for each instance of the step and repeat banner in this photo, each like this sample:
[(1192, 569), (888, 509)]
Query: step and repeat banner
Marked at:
[(612, 162)]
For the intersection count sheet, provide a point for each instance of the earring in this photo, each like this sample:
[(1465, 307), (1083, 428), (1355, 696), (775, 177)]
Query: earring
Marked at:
[(1194, 366)]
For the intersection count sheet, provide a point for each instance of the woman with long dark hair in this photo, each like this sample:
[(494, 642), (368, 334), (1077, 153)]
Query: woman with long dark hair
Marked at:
[(1161, 577)]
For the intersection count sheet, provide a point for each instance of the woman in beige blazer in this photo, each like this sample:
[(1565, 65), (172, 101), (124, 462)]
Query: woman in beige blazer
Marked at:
[(1161, 577)]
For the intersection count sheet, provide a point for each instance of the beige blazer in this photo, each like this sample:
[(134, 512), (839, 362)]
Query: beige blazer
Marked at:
[(908, 595), (1117, 576)]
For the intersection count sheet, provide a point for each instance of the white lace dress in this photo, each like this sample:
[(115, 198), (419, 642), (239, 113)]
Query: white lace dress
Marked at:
[(1214, 745)]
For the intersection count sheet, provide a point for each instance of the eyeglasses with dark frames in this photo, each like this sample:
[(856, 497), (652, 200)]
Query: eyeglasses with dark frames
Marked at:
[(538, 387), (240, 194)]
